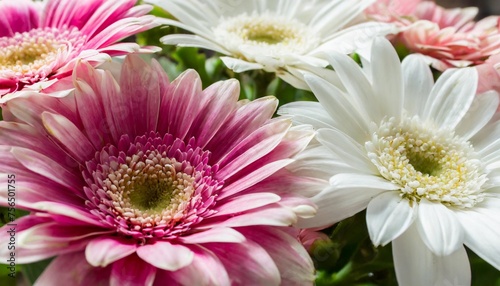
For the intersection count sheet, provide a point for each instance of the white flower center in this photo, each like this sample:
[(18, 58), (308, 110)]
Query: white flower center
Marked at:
[(29, 52), (269, 35), (427, 162)]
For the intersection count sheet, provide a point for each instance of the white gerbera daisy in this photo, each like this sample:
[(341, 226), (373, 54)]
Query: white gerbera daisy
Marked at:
[(423, 159), (278, 36)]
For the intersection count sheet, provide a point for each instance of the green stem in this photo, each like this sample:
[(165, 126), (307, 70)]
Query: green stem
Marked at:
[(343, 276)]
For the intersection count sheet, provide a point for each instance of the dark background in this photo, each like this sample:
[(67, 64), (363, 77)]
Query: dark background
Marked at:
[(486, 7)]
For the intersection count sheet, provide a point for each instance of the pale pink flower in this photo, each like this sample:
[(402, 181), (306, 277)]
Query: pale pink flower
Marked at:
[(450, 37), (446, 37), (41, 41), (392, 10), (489, 75), (137, 181)]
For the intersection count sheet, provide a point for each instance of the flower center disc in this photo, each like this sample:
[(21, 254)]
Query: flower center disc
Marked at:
[(149, 192), (275, 35), (152, 187), (28, 52), (427, 162)]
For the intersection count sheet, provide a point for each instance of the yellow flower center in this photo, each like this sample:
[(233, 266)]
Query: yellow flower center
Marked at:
[(37, 51), (427, 162), (274, 35)]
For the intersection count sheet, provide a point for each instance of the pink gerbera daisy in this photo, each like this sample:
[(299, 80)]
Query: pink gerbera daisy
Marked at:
[(450, 38), (396, 11), (446, 37), (133, 180), (41, 41)]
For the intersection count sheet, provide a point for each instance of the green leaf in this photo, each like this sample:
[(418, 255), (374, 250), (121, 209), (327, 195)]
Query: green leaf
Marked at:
[(192, 58), (8, 215), (8, 278), (482, 272)]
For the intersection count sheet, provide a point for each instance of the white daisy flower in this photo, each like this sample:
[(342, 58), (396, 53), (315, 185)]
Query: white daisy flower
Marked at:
[(278, 36), (422, 158)]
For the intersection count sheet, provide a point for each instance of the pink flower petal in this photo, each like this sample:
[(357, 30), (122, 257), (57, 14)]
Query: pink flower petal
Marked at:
[(269, 215), (70, 137), (131, 270), (43, 248), (17, 17), (291, 258), (247, 263), (144, 103), (248, 117), (215, 110), (126, 128), (86, 28), (106, 250), (165, 255), (206, 269), (253, 147), (217, 234), (183, 102), (121, 29), (246, 202), (46, 167), (90, 109), (65, 210), (73, 269), (254, 177)]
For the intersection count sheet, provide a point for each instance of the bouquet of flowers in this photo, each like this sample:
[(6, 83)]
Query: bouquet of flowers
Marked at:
[(260, 142)]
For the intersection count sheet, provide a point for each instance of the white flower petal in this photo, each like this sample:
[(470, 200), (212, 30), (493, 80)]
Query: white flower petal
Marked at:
[(238, 65), (336, 14), (387, 85), (439, 228), (451, 97), (481, 111), (453, 269), (288, 8), (347, 195), (487, 141), (358, 38), (348, 151), (307, 112), (309, 27), (193, 41), (192, 17), (321, 163), (361, 181), (482, 233), (387, 216), (416, 265), (359, 89), (294, 78), (294, 74), (418, 82), (346, 117)]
